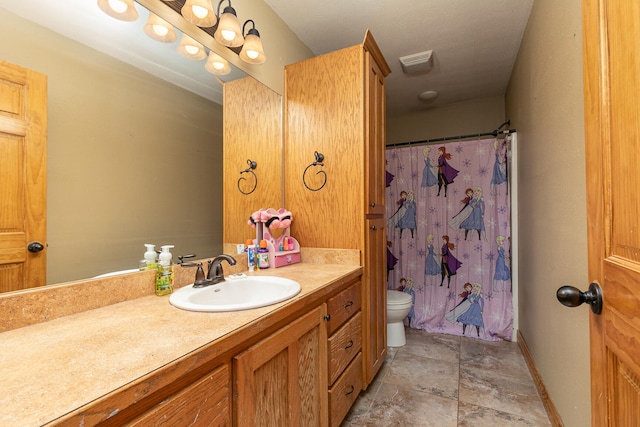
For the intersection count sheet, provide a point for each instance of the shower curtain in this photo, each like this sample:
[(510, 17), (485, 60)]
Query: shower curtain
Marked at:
[(448, 236)]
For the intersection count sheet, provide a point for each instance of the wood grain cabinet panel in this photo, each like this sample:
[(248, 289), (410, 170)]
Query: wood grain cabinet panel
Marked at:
[(345, 391), (342, 306), (344, 345), (204, 403), (282, 380)]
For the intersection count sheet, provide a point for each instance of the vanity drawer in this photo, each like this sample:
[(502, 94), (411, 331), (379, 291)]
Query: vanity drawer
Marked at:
[(343, 306), (345, 391), (344, 345)]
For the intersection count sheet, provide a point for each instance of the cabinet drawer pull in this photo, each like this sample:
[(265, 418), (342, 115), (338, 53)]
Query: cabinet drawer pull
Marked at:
[(349, 304), (349, 345), (373, 228), (327, 317), (373, 205), (352, 389)]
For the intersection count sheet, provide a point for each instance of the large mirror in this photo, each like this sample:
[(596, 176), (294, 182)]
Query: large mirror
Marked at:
[(131, 159)]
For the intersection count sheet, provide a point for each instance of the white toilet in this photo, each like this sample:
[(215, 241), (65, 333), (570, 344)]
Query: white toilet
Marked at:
[(398, 306)]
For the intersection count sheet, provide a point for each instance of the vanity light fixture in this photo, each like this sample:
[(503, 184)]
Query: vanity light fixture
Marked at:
[(199, 12), (228, 32), (123, 10), (217, 64), (252, 50), (159, 29), (191, 49)]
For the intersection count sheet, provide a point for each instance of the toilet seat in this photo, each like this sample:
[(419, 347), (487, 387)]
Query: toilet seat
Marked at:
[(395, 298)]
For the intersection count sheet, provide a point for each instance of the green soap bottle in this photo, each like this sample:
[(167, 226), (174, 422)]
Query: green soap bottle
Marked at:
[(164, 275)]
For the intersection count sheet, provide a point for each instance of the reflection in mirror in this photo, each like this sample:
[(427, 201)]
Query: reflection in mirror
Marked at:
[(132, 159)]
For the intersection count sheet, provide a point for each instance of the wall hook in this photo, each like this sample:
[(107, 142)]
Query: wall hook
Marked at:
[(252, 166), (319, 158)]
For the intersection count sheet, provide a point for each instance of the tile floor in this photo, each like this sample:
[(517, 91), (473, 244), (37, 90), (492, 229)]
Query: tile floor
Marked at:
[(444, 380)]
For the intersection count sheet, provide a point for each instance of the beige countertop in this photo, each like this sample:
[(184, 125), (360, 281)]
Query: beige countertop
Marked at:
[(52, 368)]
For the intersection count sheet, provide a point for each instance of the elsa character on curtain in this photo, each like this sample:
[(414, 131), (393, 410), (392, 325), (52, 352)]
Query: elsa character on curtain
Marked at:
[(450, 264), (463, 213), (406, 286), (475, 221), (405, 216), (462, 306), (502, 273), (431, 265), (473, 316), (446, 172), (430, 172), (500, 166)]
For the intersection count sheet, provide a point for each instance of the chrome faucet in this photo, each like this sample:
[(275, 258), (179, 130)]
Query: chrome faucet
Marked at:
[(215, 273)]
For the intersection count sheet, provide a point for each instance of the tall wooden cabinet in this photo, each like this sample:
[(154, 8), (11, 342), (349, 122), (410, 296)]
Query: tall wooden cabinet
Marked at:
[(335, 106)]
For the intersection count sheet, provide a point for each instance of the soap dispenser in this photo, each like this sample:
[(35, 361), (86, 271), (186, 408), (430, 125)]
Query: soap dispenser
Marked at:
[(149, 262), (164, 276)]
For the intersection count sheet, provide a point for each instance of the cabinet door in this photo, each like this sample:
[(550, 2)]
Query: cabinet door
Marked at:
[(375, 138), (374, 299), (282, 380), (204, 403)]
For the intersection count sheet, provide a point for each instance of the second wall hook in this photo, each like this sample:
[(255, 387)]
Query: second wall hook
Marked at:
[(252, 166)]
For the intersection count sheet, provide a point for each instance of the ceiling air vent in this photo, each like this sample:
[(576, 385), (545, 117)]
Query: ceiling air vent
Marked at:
[(417, 63)]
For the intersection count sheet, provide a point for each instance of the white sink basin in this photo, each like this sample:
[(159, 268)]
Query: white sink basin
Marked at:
[(235, 294)]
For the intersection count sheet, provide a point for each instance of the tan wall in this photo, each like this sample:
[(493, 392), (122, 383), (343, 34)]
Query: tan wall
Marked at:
[(463, 118), (544, 101), (131, 158)]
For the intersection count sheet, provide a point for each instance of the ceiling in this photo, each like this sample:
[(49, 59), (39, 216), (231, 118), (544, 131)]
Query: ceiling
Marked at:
[(474, 42)]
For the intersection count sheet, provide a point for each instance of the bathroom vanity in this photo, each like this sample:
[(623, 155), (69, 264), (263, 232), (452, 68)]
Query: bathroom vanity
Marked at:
[(141, 361)]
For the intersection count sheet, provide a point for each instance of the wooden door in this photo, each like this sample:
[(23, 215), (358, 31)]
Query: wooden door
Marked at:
[(611, 44), (374, 299), (23, 160), (375, 139), (282, 380)]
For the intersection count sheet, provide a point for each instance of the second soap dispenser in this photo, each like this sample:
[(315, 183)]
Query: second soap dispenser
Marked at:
[(164, 276)]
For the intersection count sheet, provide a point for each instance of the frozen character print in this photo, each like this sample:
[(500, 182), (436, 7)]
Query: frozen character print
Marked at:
[(502, 273), (464, 212), (446, 172), (392, 222), (430, 172), (499, 176), (460, 308), (475, 220), (450, 264), (473, 316), (408, 218), (408, 289), (431, 265), (392, 260)]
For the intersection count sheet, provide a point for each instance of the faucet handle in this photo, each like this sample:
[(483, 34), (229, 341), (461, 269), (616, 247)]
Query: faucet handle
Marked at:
[(199, 272), (182, 257)]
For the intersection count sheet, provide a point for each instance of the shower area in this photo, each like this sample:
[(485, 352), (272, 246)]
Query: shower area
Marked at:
[(451, 240)]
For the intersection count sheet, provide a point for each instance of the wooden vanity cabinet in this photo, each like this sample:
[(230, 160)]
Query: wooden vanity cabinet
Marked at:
[(205, 403), (344, 324), (335, 105), (282, 380)]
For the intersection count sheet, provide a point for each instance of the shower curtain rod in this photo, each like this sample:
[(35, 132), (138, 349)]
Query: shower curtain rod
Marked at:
[(453, 138)]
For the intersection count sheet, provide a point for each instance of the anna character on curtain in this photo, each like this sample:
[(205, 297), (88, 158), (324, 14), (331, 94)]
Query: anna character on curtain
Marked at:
[(406, 286), (450, 264), (405, 216), (463, 213), (475, 221), (446, 172), (462, 306), (431, 265), (473, 316)]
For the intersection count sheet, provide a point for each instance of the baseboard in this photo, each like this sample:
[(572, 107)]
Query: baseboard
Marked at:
[(552, 412)]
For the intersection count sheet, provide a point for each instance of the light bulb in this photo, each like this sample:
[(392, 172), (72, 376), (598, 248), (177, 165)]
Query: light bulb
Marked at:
[(160, 30), (118, 5), (253, 54), (218, 65), (199, 11), (191, 49), (228, 35)]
